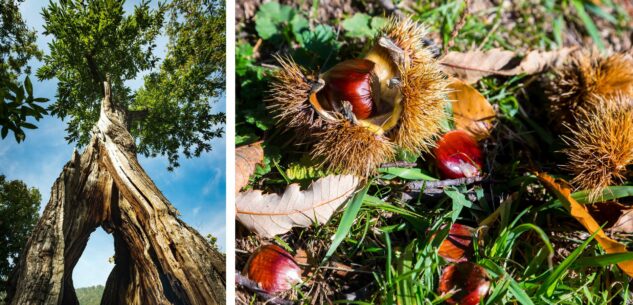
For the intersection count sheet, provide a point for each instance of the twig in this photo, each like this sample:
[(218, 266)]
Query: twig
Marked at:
[(439, 184), (494, 29), (398, 164), (460, 24), (252, 286), (344, 269), (258, 44)]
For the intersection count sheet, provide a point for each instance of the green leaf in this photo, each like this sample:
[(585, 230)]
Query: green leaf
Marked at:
[(358, 26), (4, 132), (603, 260), (377, 23), (609, 193), (29, 126), (298, 25), (265, 28), (407, 173), (28, 86), (275, 12), (549, 285), (40, 100), (514, 287), (347, 220), (459, 202)]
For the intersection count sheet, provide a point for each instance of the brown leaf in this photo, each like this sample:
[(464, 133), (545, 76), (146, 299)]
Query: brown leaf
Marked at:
[(272, 214), (578, 211), (606, 213), (457, 247), (625, 223), (471, 111), (473, 65), (246, 158)]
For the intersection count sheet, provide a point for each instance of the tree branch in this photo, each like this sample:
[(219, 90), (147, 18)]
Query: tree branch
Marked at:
[(424, 185), (398, 164)]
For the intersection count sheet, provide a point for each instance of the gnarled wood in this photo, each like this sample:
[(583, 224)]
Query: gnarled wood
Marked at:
[(158, 258)]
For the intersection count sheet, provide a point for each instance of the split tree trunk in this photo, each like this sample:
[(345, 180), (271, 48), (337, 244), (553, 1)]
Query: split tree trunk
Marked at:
[(158, 258)]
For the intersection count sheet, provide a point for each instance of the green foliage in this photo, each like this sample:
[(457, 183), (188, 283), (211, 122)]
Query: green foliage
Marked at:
[(213, 241), (90, 295), (178, 97), (17, 105), (277, 21), (92, 40), (17, 47), (19, 207), (363, 26), (172, 112)]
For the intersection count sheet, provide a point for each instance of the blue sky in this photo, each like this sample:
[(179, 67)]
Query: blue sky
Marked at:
[(197, 188)]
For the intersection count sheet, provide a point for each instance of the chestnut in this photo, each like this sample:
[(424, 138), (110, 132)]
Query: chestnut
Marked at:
[(468, 282), (351, 81), (458, 155), (273, 269)]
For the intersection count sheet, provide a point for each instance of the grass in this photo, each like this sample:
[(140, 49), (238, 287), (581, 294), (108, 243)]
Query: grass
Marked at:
[(379, 249)]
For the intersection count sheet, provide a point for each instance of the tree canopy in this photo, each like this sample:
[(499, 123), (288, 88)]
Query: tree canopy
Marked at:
[(171, 113), (18, 214), (17, 47)]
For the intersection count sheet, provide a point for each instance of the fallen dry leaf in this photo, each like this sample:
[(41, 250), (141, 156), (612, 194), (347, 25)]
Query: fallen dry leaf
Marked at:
[(624, 224), (457, 247), (607, 212), (471, 110), (473, 65), (246, 158), (578, 211), (272, 214)]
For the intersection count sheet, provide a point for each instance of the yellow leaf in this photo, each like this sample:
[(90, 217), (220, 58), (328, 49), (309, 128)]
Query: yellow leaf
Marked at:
[(578, 211), (471, 111)]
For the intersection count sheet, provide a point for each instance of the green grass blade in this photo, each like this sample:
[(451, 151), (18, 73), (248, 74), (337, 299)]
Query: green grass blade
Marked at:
[(515, 289), (549, 285), (610, 193), (347, 220), (407, 173), (603, 260), (589, 25)]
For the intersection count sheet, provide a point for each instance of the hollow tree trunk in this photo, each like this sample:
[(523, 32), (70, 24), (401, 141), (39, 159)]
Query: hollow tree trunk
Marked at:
[(158, 258)]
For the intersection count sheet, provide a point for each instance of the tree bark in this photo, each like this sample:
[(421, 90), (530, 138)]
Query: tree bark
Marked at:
[(158, 258)]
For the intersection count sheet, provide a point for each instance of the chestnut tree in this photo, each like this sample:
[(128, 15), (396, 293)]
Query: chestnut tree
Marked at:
[(96, 50)]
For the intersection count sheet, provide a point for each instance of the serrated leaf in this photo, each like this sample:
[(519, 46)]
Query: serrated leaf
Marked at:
[(265, 28), (298, 25), (277, 13), (377, 23), (273, 214), (358, 26), (320, 41)]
